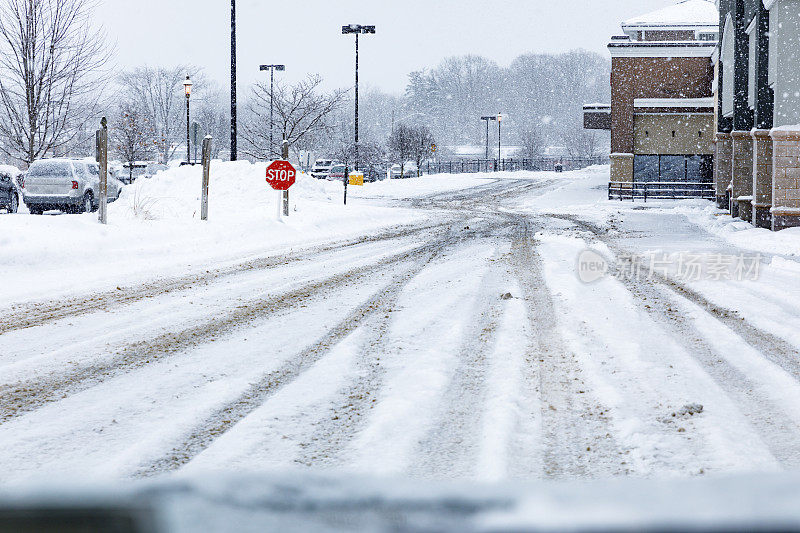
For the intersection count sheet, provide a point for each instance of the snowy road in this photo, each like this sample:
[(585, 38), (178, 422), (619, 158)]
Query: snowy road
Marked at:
[(401, 353)]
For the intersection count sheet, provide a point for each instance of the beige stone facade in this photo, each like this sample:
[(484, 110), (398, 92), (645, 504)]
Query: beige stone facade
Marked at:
[(622, 167), (762, 179), (786, 178), (742, 178), (723, 168), (674, 134)]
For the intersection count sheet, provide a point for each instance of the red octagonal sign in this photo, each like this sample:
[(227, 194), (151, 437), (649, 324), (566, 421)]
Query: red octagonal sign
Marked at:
[(281, 175)]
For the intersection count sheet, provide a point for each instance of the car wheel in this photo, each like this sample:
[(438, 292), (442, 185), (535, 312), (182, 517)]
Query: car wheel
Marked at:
[(14, 207), (35, 211), (87, 204)]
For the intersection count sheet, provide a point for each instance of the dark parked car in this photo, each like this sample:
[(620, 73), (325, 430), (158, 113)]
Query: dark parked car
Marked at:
[(375, 173), (9, 194)]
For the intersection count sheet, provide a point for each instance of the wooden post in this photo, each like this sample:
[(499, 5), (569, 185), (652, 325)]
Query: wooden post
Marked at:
[(206, 174), (102, 136), (285, 155)]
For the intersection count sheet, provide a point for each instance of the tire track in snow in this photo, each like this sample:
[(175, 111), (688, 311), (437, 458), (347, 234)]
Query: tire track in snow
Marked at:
[(773, 347), (260, 392), (452, 448), (577, 437), (31, 314), (776, 417), (19, 398)]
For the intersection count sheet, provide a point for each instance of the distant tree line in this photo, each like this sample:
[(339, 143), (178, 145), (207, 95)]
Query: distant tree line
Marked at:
[(55, 84)]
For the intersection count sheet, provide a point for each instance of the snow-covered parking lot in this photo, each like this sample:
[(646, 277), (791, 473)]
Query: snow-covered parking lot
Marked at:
[(433, 328)]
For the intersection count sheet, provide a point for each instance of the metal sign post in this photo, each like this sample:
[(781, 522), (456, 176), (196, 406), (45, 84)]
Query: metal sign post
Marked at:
[(281, 175), (102, 156), (285, 155), (206, 174), (346, 180)]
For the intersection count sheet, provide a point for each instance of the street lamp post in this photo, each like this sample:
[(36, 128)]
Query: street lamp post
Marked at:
[(272, 69), (357, 29), (234, 154), (487, 119), (499, 153), (187, 86)]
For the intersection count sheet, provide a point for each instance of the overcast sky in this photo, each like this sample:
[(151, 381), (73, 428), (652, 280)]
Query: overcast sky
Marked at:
[(306, 34)]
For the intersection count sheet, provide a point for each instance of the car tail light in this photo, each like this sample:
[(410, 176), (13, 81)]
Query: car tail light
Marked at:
[(74, 185)]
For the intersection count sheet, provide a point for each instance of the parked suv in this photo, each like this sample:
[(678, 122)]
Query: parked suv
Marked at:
[(322, 168), (69, 185), (9, 195)]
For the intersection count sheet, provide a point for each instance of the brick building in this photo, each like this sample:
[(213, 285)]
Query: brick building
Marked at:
[(662, 107), (757, 173)]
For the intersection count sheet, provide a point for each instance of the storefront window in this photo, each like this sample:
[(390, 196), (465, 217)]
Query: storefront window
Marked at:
[(645, 168), (694, 168)]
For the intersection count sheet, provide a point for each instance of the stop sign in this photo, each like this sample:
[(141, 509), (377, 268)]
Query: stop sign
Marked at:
[(281, 175)]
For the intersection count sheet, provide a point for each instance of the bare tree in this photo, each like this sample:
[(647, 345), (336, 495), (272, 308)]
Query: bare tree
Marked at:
[(51, 65), (300, 113), (580, 142), (533, 143), (133, 135), (402, 144), (423, 142), (213, 118), (158, 93)]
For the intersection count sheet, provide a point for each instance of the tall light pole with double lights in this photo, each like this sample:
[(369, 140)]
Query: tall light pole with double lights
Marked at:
[(499, 154), (272, 69), (357, 29), (487, 119), (187, 86), (234, 154)]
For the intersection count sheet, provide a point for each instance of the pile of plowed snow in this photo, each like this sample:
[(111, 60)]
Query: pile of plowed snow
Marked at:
[(237, 190)]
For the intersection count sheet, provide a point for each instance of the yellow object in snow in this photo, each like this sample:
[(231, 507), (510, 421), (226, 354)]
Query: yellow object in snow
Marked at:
[(356, 178)]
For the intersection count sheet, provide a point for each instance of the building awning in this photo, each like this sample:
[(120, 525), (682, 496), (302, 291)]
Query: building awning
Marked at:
[(674, 102)]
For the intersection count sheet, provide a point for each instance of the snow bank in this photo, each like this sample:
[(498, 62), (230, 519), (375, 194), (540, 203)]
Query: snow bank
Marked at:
[(155, 230), (237, 191)]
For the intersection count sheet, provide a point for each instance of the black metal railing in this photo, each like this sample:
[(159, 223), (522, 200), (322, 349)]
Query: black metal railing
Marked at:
[(552, 164), (674, 190)]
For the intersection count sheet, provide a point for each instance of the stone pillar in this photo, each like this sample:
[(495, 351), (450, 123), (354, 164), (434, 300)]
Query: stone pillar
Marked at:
[(742, 182), (762, 178), (622, 167), (785, 178), (723, 165)]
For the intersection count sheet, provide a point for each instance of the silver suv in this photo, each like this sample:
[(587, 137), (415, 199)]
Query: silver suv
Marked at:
[(69, 185)]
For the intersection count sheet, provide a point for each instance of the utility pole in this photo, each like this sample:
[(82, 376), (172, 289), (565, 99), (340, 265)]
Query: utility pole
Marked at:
[(357, 29), (487, 119), (272, 69), (499, 154), (233, 81)]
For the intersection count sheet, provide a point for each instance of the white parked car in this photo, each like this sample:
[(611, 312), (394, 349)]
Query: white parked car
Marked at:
[(69, 185), (409, 170), (322, 167), (139, 169)]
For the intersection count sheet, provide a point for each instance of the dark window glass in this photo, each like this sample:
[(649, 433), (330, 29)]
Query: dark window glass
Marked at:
[(673, 168), (50, 169), (645, 168)]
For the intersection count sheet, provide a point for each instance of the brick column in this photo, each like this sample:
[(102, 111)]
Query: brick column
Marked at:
[(742, 183), (785, 179), (762, 178), (723, 165)]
